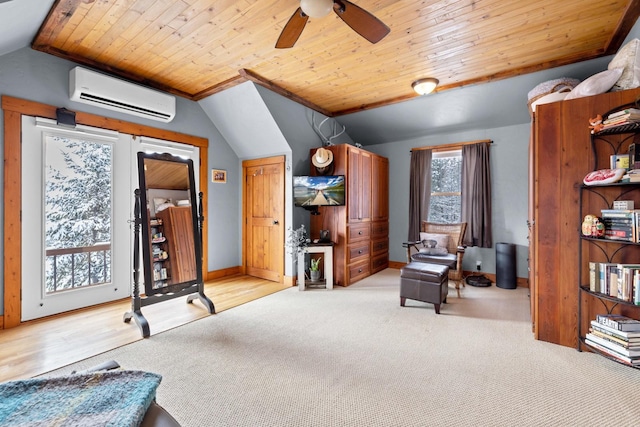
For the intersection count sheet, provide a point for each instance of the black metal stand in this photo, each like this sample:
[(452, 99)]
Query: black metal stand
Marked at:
[(136, 301)]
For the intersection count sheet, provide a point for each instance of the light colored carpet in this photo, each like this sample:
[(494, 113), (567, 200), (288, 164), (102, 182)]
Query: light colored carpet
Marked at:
[(353, 357)]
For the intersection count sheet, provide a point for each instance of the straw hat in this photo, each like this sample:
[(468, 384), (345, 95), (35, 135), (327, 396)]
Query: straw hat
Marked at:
[(322, 158)]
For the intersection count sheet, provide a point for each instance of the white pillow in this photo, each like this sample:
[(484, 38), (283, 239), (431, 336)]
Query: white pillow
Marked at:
[(596, 84), (434, 251), (548, 98), (442, 243), (627, 58)]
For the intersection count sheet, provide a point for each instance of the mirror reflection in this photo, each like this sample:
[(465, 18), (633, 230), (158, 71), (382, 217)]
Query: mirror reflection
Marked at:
[(170, 246)]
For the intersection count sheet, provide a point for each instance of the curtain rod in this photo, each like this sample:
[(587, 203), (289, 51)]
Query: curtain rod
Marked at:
[(452, 145)]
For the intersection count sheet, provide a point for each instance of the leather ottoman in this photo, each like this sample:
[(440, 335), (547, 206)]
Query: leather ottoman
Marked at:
[(424, 282)]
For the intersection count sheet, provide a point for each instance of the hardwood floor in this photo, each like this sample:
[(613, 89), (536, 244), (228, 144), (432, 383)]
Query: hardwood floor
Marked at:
[(39, 346)]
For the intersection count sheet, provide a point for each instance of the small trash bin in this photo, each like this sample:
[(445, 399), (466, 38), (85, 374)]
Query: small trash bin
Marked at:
[(506, 265)]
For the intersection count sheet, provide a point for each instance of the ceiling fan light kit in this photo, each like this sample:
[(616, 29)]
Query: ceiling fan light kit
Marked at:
[(316, 8), (425, 86), (360, 21)]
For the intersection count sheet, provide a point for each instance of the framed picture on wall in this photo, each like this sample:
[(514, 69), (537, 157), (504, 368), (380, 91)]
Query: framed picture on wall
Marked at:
[(218, 175)]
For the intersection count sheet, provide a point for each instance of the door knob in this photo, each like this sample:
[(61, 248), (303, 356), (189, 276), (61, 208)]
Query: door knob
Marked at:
[(276, 222)]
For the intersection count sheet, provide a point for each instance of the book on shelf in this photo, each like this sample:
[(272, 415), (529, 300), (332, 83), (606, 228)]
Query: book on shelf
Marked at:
[(613, 281), (633, 174), (618, 222), (631, 353), (621, 358), (635, 112), (619, 233), (627, 275), (621, 224), (633, 343), (615, 332), (603, 273), (622, 119), (619, 322), (617, 213), (619, 121), (619, 161), (634, 157), (594, 276)]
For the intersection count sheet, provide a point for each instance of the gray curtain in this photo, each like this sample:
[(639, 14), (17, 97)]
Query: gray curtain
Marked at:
[(419, 191), (476, 195)]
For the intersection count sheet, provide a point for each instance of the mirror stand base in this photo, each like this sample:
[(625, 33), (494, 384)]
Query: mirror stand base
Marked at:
[(204, 300), (142, 323)]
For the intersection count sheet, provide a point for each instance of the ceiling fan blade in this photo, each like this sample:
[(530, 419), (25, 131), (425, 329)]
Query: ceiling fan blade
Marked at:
[(361, 21), (291, 32)]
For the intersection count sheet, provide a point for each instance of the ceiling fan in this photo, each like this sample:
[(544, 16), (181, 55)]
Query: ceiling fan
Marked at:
[(361, 21)]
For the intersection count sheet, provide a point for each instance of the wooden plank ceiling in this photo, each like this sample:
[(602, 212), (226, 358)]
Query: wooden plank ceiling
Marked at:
[(195, 48), (166, 174)]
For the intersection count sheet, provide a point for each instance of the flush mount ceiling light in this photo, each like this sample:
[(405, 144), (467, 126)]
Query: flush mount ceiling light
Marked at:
[(425, 86)]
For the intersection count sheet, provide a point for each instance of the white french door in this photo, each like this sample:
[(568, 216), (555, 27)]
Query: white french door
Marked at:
[(77, 199), (77, 208)]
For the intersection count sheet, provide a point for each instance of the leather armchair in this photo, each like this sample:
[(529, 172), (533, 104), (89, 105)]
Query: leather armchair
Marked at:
[(455, 249)]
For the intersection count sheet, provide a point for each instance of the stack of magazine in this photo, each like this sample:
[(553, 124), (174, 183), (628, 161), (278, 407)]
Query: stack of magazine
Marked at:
[(616, 336), (621, 118)]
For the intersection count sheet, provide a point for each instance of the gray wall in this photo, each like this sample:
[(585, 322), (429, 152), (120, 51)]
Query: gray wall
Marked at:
[(296, 124), (44, 78), (509, 178)]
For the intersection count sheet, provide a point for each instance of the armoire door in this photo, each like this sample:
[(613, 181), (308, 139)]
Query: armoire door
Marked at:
[(359, 185)]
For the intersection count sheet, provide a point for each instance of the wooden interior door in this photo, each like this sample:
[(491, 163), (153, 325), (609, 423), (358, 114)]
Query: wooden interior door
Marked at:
[(264, 218)]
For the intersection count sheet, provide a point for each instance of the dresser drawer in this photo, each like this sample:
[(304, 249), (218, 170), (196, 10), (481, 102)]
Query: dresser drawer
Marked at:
[(356, 252), (358, 232), (379, 229), (379, 262), (358, 271), (379, 246)]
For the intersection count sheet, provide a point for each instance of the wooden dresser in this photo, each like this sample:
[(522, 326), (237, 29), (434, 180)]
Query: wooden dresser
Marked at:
[(360, 229)]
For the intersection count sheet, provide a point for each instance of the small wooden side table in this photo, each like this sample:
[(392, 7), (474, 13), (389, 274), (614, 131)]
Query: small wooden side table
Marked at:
[(317, 248)]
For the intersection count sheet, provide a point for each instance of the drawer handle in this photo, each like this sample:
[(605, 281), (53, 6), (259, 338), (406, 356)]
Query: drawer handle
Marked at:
[(359, 270), (360, 232), (360, 251)]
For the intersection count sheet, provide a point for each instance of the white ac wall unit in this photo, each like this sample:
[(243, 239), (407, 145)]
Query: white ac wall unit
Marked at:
[(97, 89)]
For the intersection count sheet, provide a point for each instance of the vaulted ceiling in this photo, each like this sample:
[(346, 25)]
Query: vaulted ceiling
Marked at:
[(196, 48)]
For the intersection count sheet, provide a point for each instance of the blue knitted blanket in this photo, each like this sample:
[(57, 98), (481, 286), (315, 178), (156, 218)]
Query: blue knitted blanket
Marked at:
[(112, 398)]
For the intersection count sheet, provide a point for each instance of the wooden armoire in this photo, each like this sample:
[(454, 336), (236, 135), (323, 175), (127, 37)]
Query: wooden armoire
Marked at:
[(360, 229), (560, 156), (178, 230)]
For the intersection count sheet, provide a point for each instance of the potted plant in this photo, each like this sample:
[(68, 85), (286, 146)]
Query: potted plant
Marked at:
[(314, 269), (297, 240)]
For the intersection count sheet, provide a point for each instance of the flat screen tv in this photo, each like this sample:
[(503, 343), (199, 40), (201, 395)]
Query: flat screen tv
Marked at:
[(327, 190)]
